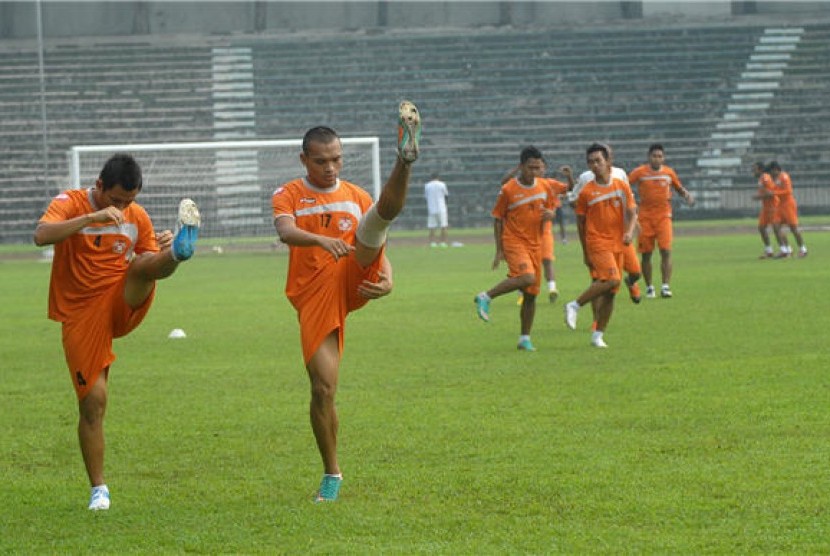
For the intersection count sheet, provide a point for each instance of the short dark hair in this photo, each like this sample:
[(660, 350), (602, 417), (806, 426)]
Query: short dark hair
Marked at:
[(598, 148), (121, 169), (528, 153), (773, 166), (656, 147), (319, 134), (760, 165)]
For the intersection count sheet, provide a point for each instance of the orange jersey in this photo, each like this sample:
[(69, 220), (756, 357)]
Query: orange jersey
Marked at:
[(766, 186), (91, 261), (655, 189), (331, 213), (784, 189), (519, 207), (603, 207)]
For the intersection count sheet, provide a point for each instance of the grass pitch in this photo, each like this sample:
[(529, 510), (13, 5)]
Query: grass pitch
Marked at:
[(705, 427)]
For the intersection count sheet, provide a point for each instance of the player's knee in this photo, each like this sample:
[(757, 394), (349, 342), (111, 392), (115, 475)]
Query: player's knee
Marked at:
[(371, 231), (526, 280)]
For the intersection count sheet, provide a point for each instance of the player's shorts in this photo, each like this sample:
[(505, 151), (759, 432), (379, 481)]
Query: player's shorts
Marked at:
[(325, 303), (87, 338), (630, 263), (522, 259), (651, 229), (437, 220), (788, 214), (606, 266), (768, 216)]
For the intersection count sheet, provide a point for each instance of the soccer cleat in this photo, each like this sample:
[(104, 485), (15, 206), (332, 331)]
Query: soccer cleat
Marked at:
[(570, 314), (598, 342), (782, 255), (409, 131), (766, 255), (650, 292), (553, 296), (665, 291), (329, 488), (802, 254), (187, 230), (634, 292), (525, 345), (482, 307), (100, 499)]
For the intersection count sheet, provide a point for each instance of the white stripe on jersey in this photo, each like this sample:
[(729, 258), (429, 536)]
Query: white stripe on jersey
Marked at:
[(606, 196), (349, 207), (538, 197)]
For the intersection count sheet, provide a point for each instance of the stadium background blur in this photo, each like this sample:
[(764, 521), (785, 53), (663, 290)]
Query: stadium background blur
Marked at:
[(720, 84)]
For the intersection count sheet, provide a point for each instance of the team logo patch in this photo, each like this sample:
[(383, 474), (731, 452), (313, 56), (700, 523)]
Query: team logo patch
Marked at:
[(119, 247), (345, 224), (308, 200)]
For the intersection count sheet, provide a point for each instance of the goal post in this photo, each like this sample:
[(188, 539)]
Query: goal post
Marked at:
[(231, 181)]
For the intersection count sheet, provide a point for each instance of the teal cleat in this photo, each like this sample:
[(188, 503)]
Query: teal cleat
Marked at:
[(409, 131), (525, 345), (482, 307), (187, 230), (329, 488)]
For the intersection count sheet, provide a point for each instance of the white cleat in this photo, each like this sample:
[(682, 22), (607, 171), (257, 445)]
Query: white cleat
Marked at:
[(100, 499), (570, 314), (599, 343)]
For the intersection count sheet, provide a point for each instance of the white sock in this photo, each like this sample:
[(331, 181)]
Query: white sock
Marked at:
[(596, 335), (665, 286), (524, 337), (803, 248), (768, 249), (574, 304), (552, 285), (486, 297)]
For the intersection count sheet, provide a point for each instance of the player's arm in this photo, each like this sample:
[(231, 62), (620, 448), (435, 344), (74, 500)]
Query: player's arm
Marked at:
[(685, 193), (290, 234), (630, 224), (48, 233), (566, 171), (580, 231), (498, 232)]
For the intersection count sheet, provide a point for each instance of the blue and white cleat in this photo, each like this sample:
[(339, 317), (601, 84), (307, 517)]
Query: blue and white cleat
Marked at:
[(329, 488), (100, 499), (525, 345), (482, 307), (187, 230)]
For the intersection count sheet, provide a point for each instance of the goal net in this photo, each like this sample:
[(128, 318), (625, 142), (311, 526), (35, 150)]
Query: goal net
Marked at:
[(231, 181)]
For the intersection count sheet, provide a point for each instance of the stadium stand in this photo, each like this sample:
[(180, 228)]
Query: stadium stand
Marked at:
[(484, 94)]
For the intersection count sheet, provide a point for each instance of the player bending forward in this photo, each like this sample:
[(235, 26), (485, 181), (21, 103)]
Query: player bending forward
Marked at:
[(336, 240), (107, 260)]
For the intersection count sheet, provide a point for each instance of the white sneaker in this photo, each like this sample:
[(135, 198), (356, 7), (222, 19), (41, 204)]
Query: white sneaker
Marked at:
[(598, 342), (570, 314), (665, 291), (650, 292), (100, 499)]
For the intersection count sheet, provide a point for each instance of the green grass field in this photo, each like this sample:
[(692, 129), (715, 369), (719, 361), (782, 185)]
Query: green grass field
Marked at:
[(704, 428)]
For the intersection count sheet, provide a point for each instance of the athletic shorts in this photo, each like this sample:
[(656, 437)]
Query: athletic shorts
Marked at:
[(630, 264), (437, 220), (323, 306), (651, 229), (768, 216), (606, 266), (788, 214), (87, 338), (522, 260)]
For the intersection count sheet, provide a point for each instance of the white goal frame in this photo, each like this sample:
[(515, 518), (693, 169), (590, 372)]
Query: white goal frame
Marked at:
[(74, 153)]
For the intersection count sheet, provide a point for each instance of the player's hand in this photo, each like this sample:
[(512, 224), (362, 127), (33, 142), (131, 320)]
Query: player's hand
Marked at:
[(690, 199), (109, 214), (627, 238), (164, 239), (497, 259), (548, 214), (566, 171), (336, 246), (374, 290)]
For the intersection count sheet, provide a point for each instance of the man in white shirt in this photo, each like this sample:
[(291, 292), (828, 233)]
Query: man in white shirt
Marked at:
[(436, 195)]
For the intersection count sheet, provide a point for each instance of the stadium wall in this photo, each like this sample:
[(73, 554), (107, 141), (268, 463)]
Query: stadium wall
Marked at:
[(95, 19)]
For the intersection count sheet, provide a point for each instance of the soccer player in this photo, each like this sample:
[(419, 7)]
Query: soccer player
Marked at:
[(787, 210), (523, 205), (436, 195), (606, 216), (655, 182), (768, 217), (559, 189), (336, 240), (631, 264), (106, 263)]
